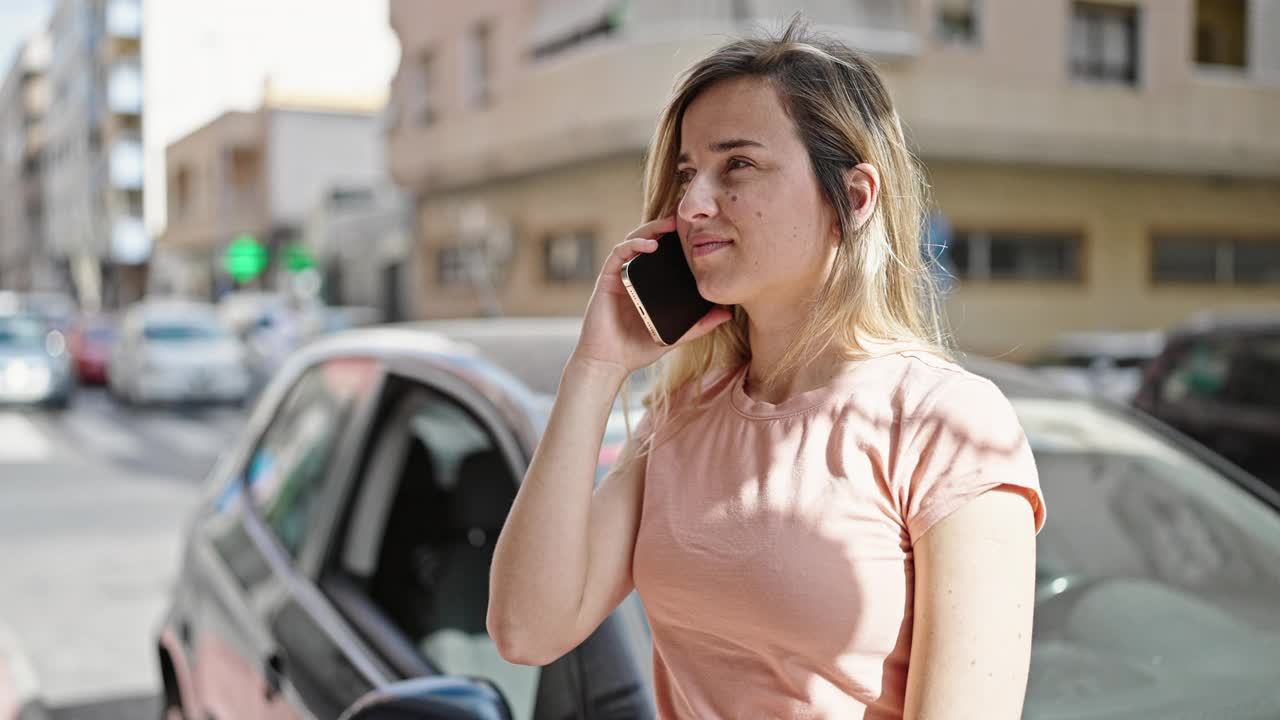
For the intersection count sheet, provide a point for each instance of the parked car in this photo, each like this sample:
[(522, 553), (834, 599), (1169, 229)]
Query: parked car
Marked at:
[(343, 545), (1107, 363), (1218, 380), (176, 351), (35, 368), (89, 340)]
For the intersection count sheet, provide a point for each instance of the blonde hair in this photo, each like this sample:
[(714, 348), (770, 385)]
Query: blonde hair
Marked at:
[(881, 288)]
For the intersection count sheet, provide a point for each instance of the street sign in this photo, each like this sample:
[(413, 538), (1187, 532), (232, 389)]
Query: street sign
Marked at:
[(297, 258), (245, 258)]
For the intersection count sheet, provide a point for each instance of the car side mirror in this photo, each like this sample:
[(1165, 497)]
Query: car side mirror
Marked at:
[(432, 698)]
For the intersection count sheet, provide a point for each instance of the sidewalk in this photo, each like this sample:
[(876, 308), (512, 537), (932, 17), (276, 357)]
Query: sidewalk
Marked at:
[(19, 689)]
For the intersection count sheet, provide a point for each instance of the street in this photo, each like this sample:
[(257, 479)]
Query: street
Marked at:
[(94, 499)]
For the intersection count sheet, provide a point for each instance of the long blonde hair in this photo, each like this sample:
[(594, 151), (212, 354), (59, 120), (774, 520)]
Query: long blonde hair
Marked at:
[(881, 288)]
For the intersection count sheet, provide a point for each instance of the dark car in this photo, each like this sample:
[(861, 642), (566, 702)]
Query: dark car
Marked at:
[(1218, 380), (343, 549)]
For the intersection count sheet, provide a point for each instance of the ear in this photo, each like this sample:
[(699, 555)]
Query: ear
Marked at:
[(862, 183)]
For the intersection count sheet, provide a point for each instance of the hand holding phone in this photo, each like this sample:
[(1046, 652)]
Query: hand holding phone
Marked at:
[(664, 291)]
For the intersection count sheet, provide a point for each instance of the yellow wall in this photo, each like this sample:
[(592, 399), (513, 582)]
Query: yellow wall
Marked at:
[(1116, 214)]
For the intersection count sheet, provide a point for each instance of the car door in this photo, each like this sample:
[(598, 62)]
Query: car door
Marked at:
[(410, 564), (249, 658)]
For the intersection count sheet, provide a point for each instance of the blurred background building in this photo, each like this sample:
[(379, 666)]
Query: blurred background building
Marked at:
[(1095, 165), (258, 175), (359, 237), (93, 166), (24, 101)]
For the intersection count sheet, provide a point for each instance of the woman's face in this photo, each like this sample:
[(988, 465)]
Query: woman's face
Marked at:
[(754, 223)]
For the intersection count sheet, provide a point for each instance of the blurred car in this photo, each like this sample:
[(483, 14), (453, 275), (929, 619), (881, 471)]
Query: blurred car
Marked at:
[(1107, 363), (1218, 380), (343, 546), (89, 340), (35, 367), (176, 351)]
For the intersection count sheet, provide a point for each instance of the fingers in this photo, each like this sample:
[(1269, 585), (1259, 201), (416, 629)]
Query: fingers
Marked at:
[(655, 228), (714, 318), (625, 250)]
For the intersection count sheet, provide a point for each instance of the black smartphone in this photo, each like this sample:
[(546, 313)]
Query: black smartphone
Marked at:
[(664, 291)]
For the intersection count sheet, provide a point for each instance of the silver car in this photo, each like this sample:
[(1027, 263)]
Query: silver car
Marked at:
[(177, 351), (35, 367)]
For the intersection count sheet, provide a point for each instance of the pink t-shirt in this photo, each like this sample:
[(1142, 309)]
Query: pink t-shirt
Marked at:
[(774, 554)]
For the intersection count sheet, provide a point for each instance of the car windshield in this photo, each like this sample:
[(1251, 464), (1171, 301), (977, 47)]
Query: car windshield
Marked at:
[(1157, 577), (21, 332), (177, 332)]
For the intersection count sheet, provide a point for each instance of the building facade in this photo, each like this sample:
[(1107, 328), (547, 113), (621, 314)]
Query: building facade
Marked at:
[(1103, 165), (93, 176), (258, 174), (24, 100), (359, 236)]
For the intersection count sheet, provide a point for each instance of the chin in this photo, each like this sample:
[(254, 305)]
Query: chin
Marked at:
[(718, 293)]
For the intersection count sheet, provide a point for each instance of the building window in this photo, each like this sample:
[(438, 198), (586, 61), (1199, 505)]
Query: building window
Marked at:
[(459, 265), (478, 63), (1104, 43), (1221, 32), (958, 21), (1210, 260), (424, 100), (181, 191), (570, 257), (1037, 256)]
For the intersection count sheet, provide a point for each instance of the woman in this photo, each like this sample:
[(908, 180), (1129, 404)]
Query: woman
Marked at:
[(823, 515)]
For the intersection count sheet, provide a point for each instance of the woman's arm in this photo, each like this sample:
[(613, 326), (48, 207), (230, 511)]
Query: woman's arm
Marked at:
[(974, 599)]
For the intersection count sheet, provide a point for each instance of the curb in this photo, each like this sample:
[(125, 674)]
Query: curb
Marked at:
[(19, 688)]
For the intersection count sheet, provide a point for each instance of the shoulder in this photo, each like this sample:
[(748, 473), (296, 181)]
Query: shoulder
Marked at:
[(914, 386)]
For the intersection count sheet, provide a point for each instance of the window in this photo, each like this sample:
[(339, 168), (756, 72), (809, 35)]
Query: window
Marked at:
[(181, 191), (979, 256), (571, 257), (958, 21), (435, 491), (287, 471), (1104, 43), (1210, 260), (456, 265), (478, 66), (424, 101), (1221, 32)]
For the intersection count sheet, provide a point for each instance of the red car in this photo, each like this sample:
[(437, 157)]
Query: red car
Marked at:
[(90, 341)]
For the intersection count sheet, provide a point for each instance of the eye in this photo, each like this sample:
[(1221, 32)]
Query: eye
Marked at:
[(739, 163), (684, 177)]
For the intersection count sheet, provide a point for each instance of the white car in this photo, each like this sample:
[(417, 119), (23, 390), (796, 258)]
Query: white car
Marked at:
[(177, 351), (1109, 364)]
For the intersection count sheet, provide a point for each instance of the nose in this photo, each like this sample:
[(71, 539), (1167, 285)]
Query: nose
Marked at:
[(699, 201)]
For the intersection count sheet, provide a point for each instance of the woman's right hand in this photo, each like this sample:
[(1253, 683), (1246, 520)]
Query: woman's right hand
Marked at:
[(613, 334)]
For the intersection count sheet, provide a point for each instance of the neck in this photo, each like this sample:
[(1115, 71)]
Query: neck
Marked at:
[(771, 335)]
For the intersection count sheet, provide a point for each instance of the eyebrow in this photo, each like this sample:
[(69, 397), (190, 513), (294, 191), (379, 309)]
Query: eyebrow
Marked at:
[(723, 146)]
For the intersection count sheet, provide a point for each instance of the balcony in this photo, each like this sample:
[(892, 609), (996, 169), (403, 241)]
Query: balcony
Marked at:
[(126, 164), (125, 89)]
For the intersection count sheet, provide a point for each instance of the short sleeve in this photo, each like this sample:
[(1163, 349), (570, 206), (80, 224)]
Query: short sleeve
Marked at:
[(966, 442)]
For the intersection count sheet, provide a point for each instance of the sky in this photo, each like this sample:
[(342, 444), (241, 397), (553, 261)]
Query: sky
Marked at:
[(203, 58), (19, 19)]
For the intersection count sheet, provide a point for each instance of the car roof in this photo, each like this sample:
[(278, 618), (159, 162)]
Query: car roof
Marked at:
[(520, 347), (1248, 318), (1145, 343)]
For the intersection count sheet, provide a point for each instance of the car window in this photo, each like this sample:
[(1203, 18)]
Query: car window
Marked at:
[(177, 332), (22, 332), (435, 490), (286, 472), (1255, 374), (1156, 575), (1199, 372)]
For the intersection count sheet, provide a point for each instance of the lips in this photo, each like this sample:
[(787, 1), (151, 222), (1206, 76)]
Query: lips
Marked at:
[(705, 244)]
